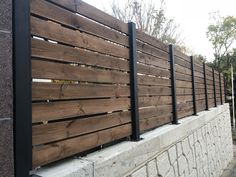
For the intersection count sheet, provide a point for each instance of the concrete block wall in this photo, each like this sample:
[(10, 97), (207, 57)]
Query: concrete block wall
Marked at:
[(6, 90), (200, 146)]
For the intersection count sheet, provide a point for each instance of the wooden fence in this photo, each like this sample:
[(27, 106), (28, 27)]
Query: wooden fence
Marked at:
[(81, 89)]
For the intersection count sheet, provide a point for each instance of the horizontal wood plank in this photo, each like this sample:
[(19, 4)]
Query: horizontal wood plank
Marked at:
[(155, 71), (45, 133), (60, 15), (53, 31), (51, 70), (61, 53), (154, 111), (149, 80), (93, 13), (55, 151), (153, 90), (151, 41), (152, 61), (154, 101), (67, 109), (54, 91), (154, 122), (153, 51)]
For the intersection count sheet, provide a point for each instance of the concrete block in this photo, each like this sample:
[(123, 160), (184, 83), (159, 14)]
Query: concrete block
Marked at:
[(68, 168), (183, 165), (172, 154), (163, 164), (6, 148), (117, 160), (6, 15), (152, 168), (6, 86), (142, 172)]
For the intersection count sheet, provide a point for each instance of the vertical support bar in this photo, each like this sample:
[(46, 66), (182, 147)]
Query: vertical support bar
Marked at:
[(225, 90), (173, 84), (193, 87), (134, 82), (221, 100), (214, 86), (22, 88), (205, 86)]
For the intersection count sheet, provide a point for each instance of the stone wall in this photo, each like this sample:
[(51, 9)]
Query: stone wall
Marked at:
[(205, 152), (200, 146), (6, 90)]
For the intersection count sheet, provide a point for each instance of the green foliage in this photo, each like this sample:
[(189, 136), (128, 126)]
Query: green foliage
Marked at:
[(222, 34)]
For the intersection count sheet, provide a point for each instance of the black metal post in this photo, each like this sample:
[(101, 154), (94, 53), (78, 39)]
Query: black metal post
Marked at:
[(173, 84), (205, 84), (221, 100), (214, 86), (225, 89), (134, 82), (193, 87), (22, 88)]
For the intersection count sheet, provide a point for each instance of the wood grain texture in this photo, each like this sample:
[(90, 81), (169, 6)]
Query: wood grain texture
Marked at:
[(93, 13), (153, 90), (153, 51), (45, 133), (151, 41), (54, 91), (153, 111), (61, 53), (154, 101), (56, 32), (182, 55), (154, 122), (152, 61), (51, 70), (55, 151), (67, 109), (149, 80), (155, 71), (55, 13)]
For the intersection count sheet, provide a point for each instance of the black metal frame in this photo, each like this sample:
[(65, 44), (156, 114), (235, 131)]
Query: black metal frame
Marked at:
[(205, 86), (214, 86), (134, 82), (221, 100), (173, 84), (225, 90), (22, 88), (193, 87)]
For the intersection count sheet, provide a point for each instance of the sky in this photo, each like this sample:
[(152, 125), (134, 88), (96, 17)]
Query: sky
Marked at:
[(193, 17)]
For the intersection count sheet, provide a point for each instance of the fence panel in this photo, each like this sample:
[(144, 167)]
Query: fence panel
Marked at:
[(217, 83), (200, 85), (82, 80), (155, 102), (222, 88), (184, 88), (210, 87), (80, 70)]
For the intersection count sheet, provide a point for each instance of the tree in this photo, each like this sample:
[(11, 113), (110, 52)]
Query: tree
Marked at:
[(149, 19), (200, 58), (222, 35)]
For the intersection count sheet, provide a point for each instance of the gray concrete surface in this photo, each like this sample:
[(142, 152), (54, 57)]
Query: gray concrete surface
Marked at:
[(230, 171)]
